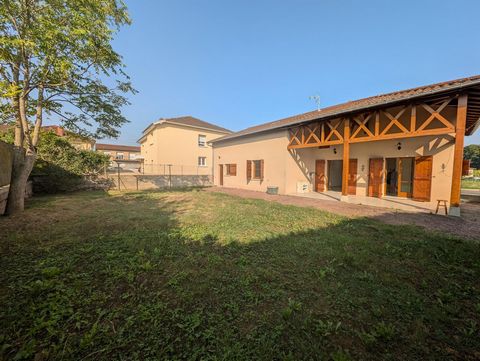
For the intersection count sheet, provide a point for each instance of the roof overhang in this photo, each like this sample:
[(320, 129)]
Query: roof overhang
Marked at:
[(166, 121), (473, 110)]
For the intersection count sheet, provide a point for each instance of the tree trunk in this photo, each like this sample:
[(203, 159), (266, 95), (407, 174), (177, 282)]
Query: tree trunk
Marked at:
[(22, 166)]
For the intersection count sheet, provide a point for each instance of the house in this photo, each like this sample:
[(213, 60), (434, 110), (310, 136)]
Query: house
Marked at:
[(179, 146), (78, 141), (120, 152), (400, 150), (124, 157)]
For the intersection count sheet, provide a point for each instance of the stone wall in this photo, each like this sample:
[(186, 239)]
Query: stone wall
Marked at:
[(140, 182)]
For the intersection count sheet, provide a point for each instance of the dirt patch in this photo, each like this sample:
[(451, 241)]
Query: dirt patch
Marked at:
[(467, 226)]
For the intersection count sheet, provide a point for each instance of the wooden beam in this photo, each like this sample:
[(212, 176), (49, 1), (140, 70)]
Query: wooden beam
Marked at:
[(422, 133), (346, 156), (315, 145), (413, 119), (458, 152)]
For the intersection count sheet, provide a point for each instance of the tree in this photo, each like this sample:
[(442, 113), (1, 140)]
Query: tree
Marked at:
[(56, 58), (472, 152)]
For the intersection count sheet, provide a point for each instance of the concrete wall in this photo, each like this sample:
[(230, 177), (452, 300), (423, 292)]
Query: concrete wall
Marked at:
[(177, 145), (285, 169)]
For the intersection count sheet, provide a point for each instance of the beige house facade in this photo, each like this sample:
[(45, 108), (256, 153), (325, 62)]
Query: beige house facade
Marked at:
[(400, 150), (179, 146)]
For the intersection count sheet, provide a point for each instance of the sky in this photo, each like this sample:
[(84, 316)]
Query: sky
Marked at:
[(242, 63)]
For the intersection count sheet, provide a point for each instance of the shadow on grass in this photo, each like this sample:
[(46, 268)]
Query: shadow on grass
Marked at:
[(139, 284)]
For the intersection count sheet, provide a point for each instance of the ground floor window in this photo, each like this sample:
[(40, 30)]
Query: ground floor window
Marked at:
[(202, 161), (231, 169), (257, 169)]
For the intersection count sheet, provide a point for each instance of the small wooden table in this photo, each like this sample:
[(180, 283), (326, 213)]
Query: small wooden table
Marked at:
[(441, 202)]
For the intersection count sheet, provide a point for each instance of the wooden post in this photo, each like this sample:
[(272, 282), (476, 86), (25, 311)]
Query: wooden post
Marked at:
[(458, 155), (346, 156)]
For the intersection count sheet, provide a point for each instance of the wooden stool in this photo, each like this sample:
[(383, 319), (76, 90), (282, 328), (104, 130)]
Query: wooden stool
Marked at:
[(442, 202)]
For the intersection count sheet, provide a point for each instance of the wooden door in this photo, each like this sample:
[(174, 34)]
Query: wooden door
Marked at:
[(405, 177), (375, 177), (422, 178), (352, 177), (220, 174), (320, 175)]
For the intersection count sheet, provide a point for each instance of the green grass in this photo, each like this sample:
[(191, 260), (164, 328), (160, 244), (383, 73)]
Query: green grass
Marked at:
[(470, 184), (196, 275)]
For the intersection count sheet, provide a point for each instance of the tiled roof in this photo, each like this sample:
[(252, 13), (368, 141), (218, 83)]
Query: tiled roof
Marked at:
[(357, 105), (195, 122), (117, 147)]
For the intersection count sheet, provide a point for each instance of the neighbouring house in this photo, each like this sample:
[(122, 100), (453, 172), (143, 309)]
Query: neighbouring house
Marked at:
[(179, 146), (78, 141), (119, 152), (126, 157), (400, 150)]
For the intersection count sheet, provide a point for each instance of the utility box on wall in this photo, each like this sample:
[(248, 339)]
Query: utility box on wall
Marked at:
[(303, 187)]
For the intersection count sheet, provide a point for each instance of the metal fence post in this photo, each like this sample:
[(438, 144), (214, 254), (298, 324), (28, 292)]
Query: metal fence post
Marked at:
[(170, 175), (118, 173)]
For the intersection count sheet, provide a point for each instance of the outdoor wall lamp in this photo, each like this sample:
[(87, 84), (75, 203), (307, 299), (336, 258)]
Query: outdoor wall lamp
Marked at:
[(363, 168), (334, 150), (399, 146)]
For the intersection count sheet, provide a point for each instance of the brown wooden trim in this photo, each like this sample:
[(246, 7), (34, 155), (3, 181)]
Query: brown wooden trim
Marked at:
[(363, 123), (346, 155), (458, 152)]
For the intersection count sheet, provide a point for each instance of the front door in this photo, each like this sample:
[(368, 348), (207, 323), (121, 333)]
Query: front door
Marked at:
[(352, 177), (422, 178), (320, 175), (375, 177), (220, 174)]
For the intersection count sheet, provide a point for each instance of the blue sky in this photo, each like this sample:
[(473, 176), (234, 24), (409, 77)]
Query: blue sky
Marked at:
[(241, 63)]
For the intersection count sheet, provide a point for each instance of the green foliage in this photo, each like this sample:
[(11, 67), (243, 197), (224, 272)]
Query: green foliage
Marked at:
[(61, 166), (57, 151), (196, 275), (472, 152), (63, 48)]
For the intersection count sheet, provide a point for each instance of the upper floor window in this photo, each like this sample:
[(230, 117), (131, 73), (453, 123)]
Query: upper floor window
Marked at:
[(119, 155), (202, 140), (202, 161)]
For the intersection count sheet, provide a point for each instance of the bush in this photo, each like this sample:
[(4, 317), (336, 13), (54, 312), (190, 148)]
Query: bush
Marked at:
[(60, 167)]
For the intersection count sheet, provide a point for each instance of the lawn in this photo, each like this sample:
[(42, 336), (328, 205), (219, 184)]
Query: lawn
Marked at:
[(199, 275), (470, 184)]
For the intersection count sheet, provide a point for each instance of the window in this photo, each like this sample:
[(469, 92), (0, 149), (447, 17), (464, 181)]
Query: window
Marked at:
[(202, 161), (231, 169), (202, 140), (119, 155), (255, 169)]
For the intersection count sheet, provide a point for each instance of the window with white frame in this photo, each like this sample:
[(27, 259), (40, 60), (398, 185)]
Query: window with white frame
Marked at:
[(202, 140), (202, 161), (119, 155)]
